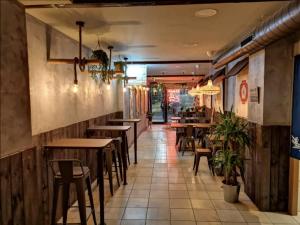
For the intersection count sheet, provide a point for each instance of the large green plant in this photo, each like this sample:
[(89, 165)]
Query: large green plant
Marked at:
[(234, 133)]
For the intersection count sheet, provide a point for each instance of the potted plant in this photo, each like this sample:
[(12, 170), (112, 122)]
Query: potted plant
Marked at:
[(120, 68), (234, 133), (100, 70)]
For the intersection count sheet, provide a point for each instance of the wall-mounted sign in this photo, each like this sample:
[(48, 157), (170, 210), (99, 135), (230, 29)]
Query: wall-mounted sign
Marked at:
[(244, 92), (295, 139), (255, 94)]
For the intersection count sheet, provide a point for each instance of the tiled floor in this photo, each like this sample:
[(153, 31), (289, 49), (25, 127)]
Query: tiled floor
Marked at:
[(162, 190)]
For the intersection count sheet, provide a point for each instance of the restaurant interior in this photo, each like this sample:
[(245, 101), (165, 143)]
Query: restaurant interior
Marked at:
[(150, 112)]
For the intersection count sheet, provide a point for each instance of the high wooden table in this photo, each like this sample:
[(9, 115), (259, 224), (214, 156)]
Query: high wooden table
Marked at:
[(89, 144), (122, 130), (135, 122)]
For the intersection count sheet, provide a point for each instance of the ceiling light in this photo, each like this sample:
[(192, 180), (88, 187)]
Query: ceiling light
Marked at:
[(190, 45), (204, 13), (197, 66), (210, 53)]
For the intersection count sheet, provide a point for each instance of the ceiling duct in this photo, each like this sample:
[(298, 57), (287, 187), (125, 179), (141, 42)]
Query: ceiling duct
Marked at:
[(284, 22)]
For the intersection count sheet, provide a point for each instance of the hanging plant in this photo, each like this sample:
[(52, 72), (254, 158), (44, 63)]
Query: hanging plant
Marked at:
[(120, 67)]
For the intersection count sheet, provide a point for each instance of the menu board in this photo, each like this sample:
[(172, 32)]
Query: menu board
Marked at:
[(295, 138)]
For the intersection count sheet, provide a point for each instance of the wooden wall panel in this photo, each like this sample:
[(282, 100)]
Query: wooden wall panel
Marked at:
[(26, 184), (6, 216), (267, 169), (17, 197)]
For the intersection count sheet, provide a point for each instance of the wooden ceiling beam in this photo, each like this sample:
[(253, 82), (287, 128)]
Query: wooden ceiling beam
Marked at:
[(128, 3)]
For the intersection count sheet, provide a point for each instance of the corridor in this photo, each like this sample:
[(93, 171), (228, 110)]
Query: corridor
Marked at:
[(162, 190)]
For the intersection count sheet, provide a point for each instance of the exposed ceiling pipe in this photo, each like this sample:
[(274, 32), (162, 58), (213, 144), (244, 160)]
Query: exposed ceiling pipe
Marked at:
[(284, 22)]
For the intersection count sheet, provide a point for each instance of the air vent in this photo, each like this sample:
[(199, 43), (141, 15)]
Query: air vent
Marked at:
[(247, 40)]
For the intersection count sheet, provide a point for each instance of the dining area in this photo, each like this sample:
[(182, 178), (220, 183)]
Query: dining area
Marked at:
[(134, 113)]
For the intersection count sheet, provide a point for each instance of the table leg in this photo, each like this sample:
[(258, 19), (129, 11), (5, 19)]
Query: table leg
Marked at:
[(135, 143), (101, 185), (124, 157)]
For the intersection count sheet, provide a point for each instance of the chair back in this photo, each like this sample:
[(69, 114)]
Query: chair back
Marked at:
[(64, 168), (189, 131)]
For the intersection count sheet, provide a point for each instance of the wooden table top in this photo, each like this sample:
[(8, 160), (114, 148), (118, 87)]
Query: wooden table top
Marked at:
[(125, 120), (109, 128), (196, 125), (79, 143)]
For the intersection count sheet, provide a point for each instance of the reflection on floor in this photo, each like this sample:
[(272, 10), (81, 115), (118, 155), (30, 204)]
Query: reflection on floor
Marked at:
[(162, 190)]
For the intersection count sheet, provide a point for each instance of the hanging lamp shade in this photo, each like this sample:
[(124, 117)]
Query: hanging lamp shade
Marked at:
[(210, 89), (194, 91)]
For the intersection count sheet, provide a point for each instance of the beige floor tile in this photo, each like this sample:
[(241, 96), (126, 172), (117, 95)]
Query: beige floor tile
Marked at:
[(117, 202), (182, 214), (135, 214), (159, 203), (206, 215), (216, 195), (280, 218), (230, 216), (202, 204), (157, 222), (114, 213), (180, 203), (139, 194), (159, 194), (183, 222), (246, 206), (221, 204), (199, 195), (158, 214), (177, 187), (133, 222), (209, 223), (137, 202), (161, 187), (141, 186), (255, 217), (110, 222), (178, 194), (158, 180)]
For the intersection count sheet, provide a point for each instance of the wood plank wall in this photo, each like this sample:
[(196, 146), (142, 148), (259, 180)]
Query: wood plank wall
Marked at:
[(26, 181), (267, 167)]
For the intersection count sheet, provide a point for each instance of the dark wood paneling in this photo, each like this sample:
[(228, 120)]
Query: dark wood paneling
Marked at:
[(26, 181), (267, 169)]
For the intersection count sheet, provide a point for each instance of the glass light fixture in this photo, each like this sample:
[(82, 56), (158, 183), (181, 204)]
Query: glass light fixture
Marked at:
[(124, 89), (75, 88), (108, 86), (210, 89)]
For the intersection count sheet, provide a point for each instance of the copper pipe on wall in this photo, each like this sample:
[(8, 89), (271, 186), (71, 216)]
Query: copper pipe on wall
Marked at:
[(284, 22)]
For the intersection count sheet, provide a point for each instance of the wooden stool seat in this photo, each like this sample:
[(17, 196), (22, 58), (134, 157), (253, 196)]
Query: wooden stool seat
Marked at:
[(65, 173), (78, 172), (203, 150), (199, 152)]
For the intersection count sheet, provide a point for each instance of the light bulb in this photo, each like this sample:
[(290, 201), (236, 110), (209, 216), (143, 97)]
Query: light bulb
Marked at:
[(75, 88), (124, 89), (108, 87)]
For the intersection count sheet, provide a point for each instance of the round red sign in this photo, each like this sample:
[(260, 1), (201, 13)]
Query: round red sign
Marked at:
[(244, 92)]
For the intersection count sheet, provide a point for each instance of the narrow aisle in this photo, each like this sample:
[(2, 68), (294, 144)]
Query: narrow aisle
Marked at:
[(162, 190)]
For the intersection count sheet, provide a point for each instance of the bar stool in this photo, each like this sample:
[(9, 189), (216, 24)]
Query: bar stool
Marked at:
[(199, 152), (67, 171), (111, 159), (187, 139)]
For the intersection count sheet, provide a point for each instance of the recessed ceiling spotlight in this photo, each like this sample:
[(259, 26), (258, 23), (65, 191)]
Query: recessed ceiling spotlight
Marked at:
[(210, 53), (190, 45), (204, 13), (197, 66)]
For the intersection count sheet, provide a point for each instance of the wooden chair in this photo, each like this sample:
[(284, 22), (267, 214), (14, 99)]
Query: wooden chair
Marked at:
[(199, 152), (67, 171), (188, 139)]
